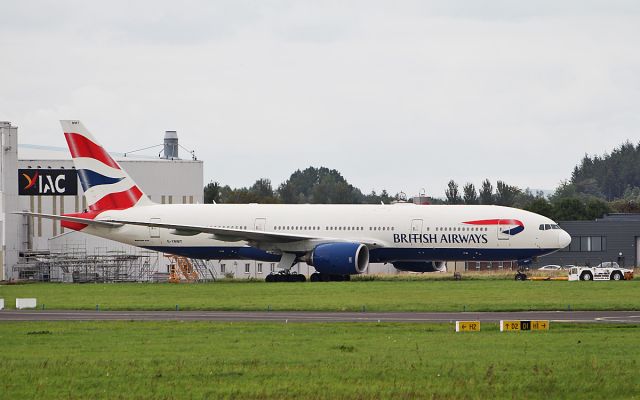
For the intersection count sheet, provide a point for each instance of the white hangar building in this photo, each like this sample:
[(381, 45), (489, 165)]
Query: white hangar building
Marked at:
[(164, 180)]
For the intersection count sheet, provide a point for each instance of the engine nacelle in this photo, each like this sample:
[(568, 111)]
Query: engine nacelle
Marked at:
[(421, 266), (340, 258)]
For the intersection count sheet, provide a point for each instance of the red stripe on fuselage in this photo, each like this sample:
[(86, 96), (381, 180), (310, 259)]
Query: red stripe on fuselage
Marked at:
[(118, 200), (495, 222), (80, 146)]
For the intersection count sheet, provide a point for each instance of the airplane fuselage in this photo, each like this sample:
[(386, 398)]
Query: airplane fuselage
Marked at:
[(397, 232)]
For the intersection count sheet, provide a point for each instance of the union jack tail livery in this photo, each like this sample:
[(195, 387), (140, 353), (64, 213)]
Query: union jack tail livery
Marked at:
[(105, 184)]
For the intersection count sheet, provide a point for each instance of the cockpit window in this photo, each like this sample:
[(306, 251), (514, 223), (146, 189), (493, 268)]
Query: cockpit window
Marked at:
[(541, 227), (555, 227), (547, 226)]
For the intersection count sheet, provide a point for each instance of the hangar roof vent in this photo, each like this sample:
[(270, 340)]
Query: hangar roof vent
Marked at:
[(171, 145)]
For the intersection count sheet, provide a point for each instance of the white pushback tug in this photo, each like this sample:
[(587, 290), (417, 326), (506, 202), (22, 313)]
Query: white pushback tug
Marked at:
[(607, 271)]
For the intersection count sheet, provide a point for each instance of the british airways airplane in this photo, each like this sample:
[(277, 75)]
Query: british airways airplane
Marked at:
[(337, 240)]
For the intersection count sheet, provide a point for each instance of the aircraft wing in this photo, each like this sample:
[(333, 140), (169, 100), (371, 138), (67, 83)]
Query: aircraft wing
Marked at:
[(220, 233), (85, 221), (237, 234), (224, 234)]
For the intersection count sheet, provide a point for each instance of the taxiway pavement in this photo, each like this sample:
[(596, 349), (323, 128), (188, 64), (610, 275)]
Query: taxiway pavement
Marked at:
[(300, 316)]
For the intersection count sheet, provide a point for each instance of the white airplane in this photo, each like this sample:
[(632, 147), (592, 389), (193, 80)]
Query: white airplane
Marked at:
[(337, 240)]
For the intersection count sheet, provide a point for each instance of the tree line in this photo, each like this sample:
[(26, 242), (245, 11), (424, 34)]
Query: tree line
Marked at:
[(598, 185), (559, 206), (312, 185), (611, 176)]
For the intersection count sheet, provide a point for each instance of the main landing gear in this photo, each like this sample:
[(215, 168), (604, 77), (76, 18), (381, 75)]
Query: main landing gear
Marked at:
[(320, 277), (285, 276), (521, 276)]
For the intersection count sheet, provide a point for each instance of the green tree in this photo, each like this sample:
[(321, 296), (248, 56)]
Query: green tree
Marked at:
[(625, 206), (541, 206), (570, 209), (608, 176), (374, 198), (319, 185), (486, 193), (566, 190), (506, 194), (596, 208), (212, 193), (452, 194), (262, 192), (470, 196)]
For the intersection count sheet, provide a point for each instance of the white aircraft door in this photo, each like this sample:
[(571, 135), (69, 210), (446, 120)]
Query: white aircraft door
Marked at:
[(260, 224), (502, 228), (154, 231)]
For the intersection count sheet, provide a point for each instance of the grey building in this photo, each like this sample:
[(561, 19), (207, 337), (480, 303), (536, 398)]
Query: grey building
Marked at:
[(615, 237), (164, 180)]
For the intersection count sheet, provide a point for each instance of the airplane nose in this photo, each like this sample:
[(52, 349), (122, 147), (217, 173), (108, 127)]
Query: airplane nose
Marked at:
[(564, 239)]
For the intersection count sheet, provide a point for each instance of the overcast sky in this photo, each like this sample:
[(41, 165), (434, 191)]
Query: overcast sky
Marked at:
[(399, 95)]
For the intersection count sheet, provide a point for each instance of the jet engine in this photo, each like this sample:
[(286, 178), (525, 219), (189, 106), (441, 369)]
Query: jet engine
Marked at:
[(421, 266), (340, 258)]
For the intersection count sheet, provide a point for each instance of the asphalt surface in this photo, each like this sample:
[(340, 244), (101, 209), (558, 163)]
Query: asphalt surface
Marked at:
[(298, 316)]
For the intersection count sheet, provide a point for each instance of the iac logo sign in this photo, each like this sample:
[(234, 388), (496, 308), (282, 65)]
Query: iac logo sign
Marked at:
[(48, 182)]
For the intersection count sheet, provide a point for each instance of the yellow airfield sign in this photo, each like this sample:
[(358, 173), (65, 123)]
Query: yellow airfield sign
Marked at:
[(523, 326), (467, 326)]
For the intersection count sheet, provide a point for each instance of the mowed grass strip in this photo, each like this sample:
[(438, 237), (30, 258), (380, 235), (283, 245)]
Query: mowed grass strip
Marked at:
[(161, 360), (422, 295)]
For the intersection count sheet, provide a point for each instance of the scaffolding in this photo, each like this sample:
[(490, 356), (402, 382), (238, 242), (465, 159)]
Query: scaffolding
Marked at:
[(72, 263)]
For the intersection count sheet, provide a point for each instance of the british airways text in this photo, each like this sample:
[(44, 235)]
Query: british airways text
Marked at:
[(442, 238)]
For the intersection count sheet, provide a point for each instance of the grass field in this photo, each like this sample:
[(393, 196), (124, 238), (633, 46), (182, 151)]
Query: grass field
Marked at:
[(420, 295), (162, 360)]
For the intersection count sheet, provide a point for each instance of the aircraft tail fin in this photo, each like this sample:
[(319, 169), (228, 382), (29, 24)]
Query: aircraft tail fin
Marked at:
[(106, 185)]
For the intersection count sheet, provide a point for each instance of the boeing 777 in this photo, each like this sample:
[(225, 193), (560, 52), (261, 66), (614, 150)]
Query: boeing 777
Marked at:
[(337, 240)]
